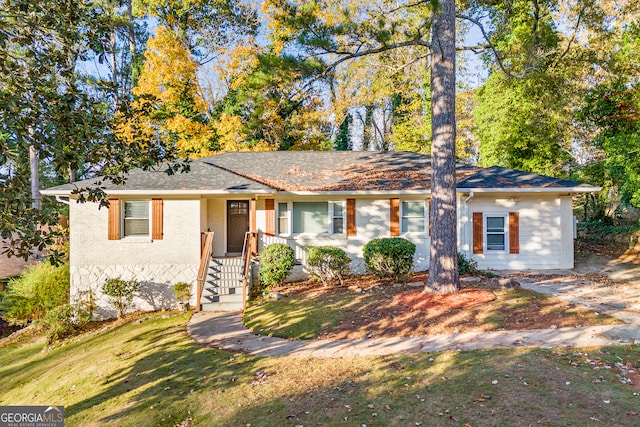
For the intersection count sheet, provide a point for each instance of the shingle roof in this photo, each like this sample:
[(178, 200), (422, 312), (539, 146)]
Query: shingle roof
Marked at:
[(499, 177), (203, 175), (319, 171), (334, 170)]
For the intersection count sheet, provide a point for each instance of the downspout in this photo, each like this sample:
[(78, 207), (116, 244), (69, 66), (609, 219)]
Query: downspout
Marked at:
[(466, 225)]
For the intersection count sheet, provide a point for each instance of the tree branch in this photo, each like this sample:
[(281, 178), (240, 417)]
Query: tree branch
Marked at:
[(493, 49)]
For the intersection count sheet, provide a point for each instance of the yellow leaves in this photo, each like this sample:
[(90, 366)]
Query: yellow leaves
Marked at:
[(192, 138), (238, 64), (169, 70), (168, 85), (229, 128)]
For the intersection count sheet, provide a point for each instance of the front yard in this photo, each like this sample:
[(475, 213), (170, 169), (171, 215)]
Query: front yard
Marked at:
[(147, 371), (369, 307)]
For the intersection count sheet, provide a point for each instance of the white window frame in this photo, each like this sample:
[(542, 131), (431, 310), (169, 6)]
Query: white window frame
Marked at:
[(329, 220), (332, 217), (123, 219), (287, 217), (425, 226), (485, 231)]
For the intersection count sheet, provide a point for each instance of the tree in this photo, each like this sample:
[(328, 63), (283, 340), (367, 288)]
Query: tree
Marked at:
[(443, 267), (46, 110), (612, 113), (169, 105), (264, 111), (48, 106)]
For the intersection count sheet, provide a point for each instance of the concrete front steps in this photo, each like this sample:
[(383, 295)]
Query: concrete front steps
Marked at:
[(223, 289)]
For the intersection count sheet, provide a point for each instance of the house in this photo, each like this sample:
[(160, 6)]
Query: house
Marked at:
[(155, 225)]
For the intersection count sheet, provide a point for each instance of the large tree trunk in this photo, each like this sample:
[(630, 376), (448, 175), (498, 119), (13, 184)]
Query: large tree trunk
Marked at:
[(35, 176), (443, 270)]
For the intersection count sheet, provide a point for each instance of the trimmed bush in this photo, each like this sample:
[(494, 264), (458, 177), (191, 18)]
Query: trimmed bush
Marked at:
[(40, 288), (327, 263), (389, 257), (64, 321), (276, 263), (121, 293)]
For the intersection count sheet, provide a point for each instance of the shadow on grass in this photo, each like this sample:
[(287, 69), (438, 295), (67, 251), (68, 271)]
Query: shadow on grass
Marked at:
[(496, 387), (151, 373), (161, 367), (341, 314)]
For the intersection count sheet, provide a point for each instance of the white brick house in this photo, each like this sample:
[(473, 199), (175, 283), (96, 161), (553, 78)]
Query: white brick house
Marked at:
[(152, 231)]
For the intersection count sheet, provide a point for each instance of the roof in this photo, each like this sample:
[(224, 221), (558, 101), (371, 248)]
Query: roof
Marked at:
[(496, 177), (317, 171)]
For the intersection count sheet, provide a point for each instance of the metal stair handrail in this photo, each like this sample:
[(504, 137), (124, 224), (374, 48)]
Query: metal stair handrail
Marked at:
[(203, 269)]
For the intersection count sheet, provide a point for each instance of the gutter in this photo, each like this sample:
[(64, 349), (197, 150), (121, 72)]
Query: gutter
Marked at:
[(590, 189), (61, 199), (67, 193)]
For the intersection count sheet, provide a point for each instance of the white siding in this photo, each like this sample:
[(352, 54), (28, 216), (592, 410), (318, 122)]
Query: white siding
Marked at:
[(158, 263), (372, 221), (546, 240)]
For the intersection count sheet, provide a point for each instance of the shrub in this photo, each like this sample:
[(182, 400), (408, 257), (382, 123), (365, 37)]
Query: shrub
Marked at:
[(183, 292), (121, 293), (467, 265), (40, 288), (470, 266), (327, 263), (276, 263), (389, 257), (64, 321)]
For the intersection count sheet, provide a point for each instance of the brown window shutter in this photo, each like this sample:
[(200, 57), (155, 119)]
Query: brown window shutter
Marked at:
[(252, 210), (114, 219), (514, 233), (394, 216), (270, 218), (478, 244), (156, 219), (351, 217)]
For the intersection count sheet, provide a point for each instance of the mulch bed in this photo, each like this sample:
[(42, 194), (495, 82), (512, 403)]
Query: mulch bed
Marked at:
[(383, 309), (419, 300)]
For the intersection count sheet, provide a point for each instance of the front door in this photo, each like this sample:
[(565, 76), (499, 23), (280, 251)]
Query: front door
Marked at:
[(237, 224)]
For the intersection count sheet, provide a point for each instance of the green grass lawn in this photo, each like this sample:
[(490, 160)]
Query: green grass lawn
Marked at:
[(151, 373)]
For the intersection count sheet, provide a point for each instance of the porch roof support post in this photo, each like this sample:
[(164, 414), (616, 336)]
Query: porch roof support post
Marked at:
[(252, 209)]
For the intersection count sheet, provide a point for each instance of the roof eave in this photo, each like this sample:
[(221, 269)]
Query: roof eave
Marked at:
[(581, 189), (161, 192)]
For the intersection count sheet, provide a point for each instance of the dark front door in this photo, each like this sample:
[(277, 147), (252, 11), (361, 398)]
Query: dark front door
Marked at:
[(237, 224)]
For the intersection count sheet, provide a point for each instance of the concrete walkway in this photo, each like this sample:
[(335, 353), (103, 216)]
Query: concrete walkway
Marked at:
[(226, 331)]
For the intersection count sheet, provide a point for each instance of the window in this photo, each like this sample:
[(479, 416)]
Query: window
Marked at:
[(413, 216), (312, 217), (496, 234), (283, 218), (136, 218), (337, 217)]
